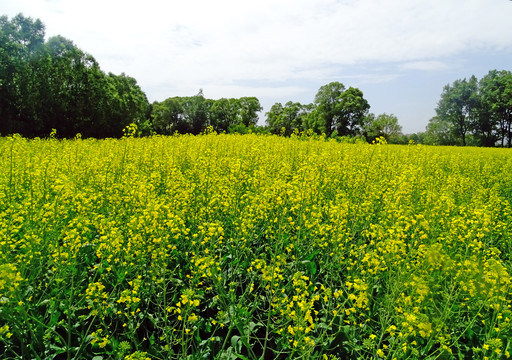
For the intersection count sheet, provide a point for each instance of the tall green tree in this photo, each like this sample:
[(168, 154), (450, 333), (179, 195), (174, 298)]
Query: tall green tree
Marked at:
[(193, 114), (274, 118), (125, 103), (385, 125), (190, 114), (21, 39), (328, 105), (196, 112), (353, 108), (225, 113), (459, 105), (314, 119), (341, 109), (439, 132), (65, 90), (495, 117), (291, 117), (55, 85), (249, 109), (167, 116)]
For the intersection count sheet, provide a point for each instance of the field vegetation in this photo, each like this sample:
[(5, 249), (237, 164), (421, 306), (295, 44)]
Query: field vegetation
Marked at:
[(253, 247)]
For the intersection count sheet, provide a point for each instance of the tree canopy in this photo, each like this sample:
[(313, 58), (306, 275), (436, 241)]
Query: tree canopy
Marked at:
[(292, 116), (194, 114), (55, 85), (336, 112), (383, 125), (46, 85), (474, 112)]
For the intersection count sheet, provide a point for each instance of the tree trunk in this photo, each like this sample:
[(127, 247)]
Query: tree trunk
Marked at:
[(509, 134)]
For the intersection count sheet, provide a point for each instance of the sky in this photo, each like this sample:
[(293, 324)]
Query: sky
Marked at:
[(400, 53)]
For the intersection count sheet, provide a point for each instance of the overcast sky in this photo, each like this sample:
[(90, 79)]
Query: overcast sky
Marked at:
[(400, 53)]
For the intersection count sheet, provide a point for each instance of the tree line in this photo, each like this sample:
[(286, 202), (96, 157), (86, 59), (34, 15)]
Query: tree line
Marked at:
[(194, 114), (335, 112), (52, 84), (47, 85)]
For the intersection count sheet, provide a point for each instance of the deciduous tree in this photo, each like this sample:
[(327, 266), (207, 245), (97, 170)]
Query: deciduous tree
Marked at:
[(328, 105), (385, 125), (290, 117), (459, 106), (342, 109), (495, 117)]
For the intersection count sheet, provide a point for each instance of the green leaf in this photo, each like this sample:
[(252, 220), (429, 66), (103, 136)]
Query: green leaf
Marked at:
[(239, 356), (312, 255), (252, 325), (312, 268), (235, 343)]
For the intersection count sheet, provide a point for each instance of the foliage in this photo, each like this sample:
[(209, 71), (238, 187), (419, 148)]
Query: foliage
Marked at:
[(439, 132), (336, 110), (292, 116), (458, 106), (55, 85), (328, 105), (384, 125), (224, 113), (495, 117), (249, 108), (249, 246), (480, 111), (194, 114), (20, 40), (341, 109), (353, 109)]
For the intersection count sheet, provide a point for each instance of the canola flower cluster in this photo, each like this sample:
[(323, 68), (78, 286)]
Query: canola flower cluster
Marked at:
[(253, 247)]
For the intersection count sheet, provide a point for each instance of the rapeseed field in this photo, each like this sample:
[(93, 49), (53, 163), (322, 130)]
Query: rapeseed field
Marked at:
[(253, 247)]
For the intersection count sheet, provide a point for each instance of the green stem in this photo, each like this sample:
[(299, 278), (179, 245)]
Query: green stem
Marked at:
[(69, 325)]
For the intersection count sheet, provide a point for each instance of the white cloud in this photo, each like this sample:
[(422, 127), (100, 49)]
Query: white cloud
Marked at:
[(427, 65), (269, 39), (372, 78)]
